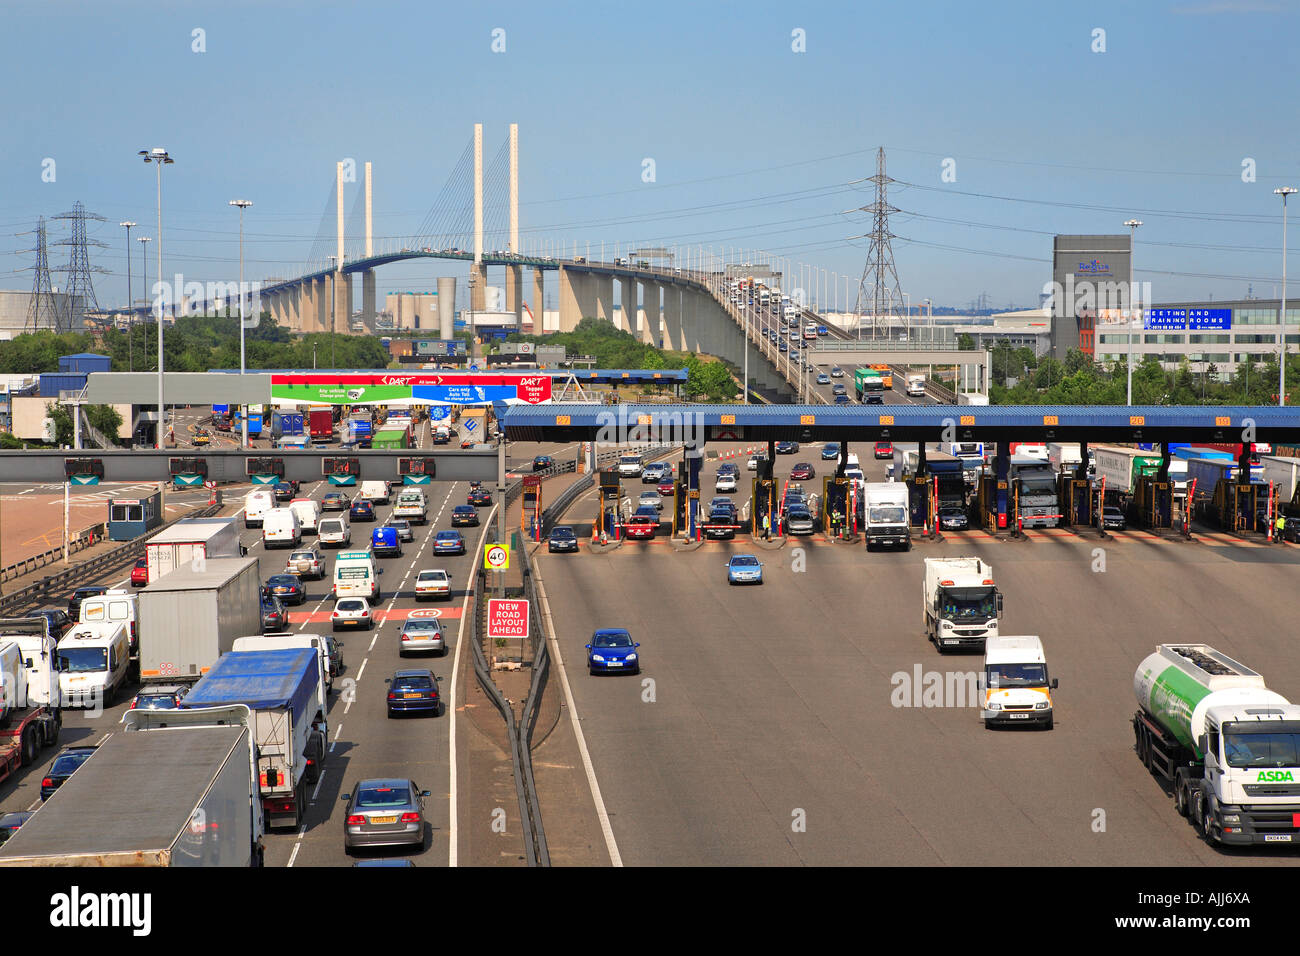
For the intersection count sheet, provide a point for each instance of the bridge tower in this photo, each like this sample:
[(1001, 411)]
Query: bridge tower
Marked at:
[(368, 277), (478, 271), (515, 274)]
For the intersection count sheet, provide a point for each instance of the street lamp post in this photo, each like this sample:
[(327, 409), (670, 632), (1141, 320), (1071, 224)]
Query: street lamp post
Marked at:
[(242, 204), (130, 308), (144, 272), (1283, 191), (160, 158), (1132, 231)]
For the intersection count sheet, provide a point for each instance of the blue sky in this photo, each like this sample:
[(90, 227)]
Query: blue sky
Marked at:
[(754, 145)]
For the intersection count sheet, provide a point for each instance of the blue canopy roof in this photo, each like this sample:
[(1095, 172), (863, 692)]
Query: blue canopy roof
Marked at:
[(262, 680)]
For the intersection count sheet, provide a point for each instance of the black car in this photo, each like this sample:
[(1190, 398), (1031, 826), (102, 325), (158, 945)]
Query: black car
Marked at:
[(562, 539), (11, 821), (463, 516), (952, 518), (480, 496), (787, 447), (64, 766), (79, 595), (1111, 519), (287, 587), (274, 616), (361, 510), (59, 620), (285, 490), (542, 461), (719, 525), (160, 698)]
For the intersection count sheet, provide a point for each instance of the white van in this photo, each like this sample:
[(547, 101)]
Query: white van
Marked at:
[(256, 504), (117, 606), (355, 575), (93, 664), (308, 512), (280, 527), (1017, 689), (376, 492), (334, 530)]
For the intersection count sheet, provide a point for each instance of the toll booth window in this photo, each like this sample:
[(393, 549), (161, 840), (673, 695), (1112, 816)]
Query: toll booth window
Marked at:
[(118, 513), (134, 513)]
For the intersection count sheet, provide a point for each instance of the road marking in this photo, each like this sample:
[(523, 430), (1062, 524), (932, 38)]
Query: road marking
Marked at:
[(338, 731), (374, 637), (319, 781), (453, 850), (610, 844), (361, 671), (294, 855)]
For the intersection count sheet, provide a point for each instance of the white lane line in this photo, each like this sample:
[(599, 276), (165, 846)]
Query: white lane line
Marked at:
[(319, 781), (610, 844), (361, 671), (453, 850), (338, 732), (374, 637), (294, 855)]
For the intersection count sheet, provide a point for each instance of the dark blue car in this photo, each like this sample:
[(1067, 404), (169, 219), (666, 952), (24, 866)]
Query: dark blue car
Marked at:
[(613, 651), (65, 764), (413, 691), (464, 516), (448, 542), (384, 541), (361, 510)]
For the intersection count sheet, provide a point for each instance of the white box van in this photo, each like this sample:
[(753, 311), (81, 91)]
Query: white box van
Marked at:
[(334, 530), (113, 607), (93, 664), (308, 513), (280, 527), (1017, 689), (375, 492), (256, 504), (355, 575)]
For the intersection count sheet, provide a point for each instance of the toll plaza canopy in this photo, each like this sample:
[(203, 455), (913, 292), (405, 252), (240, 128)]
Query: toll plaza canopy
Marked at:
[(698, 424)]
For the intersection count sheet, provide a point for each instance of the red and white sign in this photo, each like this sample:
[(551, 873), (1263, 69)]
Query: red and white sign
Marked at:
[(507, 618), (424, 612), (534, 389), (538, 383)]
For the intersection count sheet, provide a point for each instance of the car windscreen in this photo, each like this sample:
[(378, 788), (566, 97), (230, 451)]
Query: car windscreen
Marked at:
[(612, 640), (1016, 675), (421, 626), (887, 514), (973, 604), (411, 683), (82, 660), (68, 763), (744, 561), (563, 533), (383, 797), (350, 606), (156, 702)]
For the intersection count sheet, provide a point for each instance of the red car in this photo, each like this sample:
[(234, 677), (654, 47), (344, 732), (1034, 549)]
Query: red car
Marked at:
[(140, 573), (641, 527), (884, 449), (666, 487), (801, 472)]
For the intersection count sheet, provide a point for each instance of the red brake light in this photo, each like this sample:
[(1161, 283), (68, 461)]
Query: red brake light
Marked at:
[(391, 695), (410, 818), (335, 614), (132, 707), (356, 818), (405, 636), (47, 782)]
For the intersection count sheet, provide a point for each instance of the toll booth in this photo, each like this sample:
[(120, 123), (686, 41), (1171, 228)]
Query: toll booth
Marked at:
[(1238, 505), (763, 502), (997, 505), (1153, 504), (1075, 494), (530, 514), (836, 510), (611, 493), (129, 518), (918, 499)]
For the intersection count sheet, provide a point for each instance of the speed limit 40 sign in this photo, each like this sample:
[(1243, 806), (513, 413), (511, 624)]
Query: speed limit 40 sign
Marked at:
[(496, 557)]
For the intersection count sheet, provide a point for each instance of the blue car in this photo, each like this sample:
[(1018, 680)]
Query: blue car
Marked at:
[(744, 569), (611, 651), (823, 378), (412, 691), (384, 541), (65, 764), (448, 542), (843, 400), (361, 510), (830, 451)]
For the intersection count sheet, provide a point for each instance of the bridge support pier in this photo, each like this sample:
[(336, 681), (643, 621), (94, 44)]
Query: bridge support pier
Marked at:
[(478, 287), (368, 297), (576, 297), (539, 301), (651, 327), (515, 294), (603, 290), (627, 292), (342, 303)]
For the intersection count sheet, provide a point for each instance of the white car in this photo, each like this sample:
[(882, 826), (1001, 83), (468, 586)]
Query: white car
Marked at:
[(752, 464), (432, 584), (725, 483), (352, 612)]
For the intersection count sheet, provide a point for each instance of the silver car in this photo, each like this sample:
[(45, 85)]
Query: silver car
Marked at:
[(652, 499), (421, 634), (798, 521), (404, 532), (384, 812)]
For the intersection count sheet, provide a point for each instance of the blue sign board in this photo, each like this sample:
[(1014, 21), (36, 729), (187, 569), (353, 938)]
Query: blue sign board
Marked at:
[(463, 394), (1181, 320), (439, 412)]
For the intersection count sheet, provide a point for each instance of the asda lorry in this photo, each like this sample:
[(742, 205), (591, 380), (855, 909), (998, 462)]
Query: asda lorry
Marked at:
[(960, 603), (173, 789), (1228, 746)]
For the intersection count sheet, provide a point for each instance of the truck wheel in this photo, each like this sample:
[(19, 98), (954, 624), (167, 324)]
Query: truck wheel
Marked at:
[(1180, 796), (1207, 826), (31, 748)]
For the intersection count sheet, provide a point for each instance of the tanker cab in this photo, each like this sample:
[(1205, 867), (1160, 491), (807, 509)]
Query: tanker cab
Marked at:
[(1016, 688), (967, 611), (1252, 761)]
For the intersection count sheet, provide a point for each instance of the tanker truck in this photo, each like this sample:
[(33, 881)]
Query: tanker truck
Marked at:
[(1228, 746)]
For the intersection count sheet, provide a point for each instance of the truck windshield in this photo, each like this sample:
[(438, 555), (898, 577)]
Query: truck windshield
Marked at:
[(1016, 675), (887, 514), (1038, 486), (969, 604), (83, 660), (1262, 750)]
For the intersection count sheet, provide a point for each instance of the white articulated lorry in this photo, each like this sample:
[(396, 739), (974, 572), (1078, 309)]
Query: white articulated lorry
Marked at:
[(1229, 746), (960, 603), (175, 788)]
